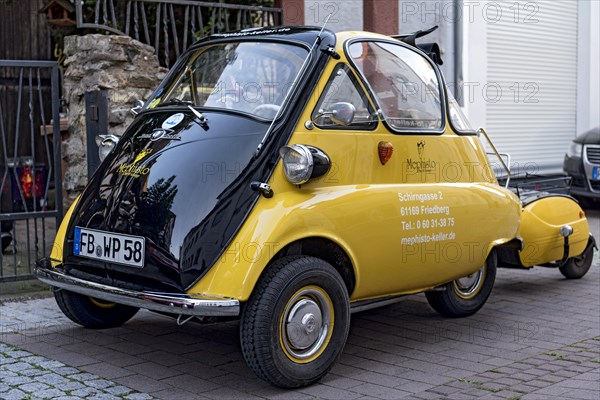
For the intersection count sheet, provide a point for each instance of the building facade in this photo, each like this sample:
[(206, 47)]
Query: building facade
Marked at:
[(527, 71)]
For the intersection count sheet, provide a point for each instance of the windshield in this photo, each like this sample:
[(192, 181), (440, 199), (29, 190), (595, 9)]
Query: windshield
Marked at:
[(251, 77)]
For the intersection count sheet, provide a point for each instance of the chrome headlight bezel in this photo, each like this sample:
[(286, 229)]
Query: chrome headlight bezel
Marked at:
[(311, 163), (297, 171)]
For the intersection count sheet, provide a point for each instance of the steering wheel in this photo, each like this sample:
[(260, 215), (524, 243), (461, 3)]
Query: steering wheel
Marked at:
[(267, 111)]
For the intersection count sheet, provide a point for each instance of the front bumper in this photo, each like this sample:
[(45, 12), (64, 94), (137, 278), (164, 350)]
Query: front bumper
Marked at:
[(583, 192), (197, 305), (581, 170)]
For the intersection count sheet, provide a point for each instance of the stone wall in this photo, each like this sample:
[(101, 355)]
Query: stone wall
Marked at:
[(125, 68)]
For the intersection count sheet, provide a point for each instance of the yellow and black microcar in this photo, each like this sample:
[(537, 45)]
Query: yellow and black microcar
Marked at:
[(288, 177)]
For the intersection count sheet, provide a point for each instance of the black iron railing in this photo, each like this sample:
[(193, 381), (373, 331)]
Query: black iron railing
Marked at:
[(30, 164), (170, 26)]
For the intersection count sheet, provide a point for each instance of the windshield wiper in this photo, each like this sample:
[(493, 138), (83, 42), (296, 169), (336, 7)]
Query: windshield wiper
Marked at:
[(199, 118), (175, 101)]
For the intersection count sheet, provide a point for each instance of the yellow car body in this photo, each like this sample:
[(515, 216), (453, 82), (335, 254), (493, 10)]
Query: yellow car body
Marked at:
[(396, 211)]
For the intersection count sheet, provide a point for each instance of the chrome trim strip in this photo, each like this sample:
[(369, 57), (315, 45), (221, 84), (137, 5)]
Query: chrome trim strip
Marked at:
[(364, 305), (174, 303)]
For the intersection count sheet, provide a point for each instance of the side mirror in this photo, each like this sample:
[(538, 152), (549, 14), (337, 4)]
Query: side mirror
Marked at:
[(341, 113), (136, 107), (105, 144)]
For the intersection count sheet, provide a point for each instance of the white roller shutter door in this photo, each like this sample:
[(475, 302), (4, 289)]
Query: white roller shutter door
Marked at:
[(532, 60)]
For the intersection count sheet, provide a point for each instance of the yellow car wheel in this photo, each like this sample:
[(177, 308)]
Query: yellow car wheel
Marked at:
[(296, 322), (92, 313), (465, 296)]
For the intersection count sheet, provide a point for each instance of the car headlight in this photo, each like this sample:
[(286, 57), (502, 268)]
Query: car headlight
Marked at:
[(106, 143), (301, 163), (575, 149)]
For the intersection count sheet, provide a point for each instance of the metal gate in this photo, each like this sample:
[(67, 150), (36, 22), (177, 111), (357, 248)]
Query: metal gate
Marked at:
[(30, 164)]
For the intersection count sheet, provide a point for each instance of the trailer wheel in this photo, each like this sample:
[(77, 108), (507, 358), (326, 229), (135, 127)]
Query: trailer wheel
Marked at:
[(576, 267), (465, 296), (92, 313), (295, 324)]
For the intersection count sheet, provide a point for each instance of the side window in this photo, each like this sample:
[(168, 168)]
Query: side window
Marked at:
[(343, 87), (458, 119), (403, 82)]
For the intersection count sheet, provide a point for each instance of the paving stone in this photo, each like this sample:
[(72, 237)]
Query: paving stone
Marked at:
[(62, 371), (71, 385), (445, 390), (16, 380), (117, 390), (16, 367), (4, 387), (49, 393), (380, 392), (98, 383), (14, 394), (199, 385), (138, 396), (32, 372), (415, 387), (82, 376), (52, 379), (84, 392), (52, 364), (33, 387), (103, 396), (7, 360), (6, 374), (340, 382), (551, 378)]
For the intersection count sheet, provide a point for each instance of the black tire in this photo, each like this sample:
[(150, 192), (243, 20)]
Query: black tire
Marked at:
[(465, 296), (6, 239), (576, 267), (309, 292), (92, 313)]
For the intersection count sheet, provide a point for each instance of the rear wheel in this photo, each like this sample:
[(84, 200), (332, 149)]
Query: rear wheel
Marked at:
[(465, 296), (91, 312), (576, 267), (295, 324)]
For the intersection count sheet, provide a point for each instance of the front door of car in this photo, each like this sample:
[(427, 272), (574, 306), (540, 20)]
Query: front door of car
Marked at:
[(397, 178)]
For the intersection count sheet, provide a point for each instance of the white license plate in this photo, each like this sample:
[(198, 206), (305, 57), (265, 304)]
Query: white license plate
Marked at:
[(111, 247)]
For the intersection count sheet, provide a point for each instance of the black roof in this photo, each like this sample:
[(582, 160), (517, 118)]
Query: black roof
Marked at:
[(304, 34)]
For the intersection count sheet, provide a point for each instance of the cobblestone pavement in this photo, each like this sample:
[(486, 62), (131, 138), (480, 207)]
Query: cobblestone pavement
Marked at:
[(538, 337), (24, 375)]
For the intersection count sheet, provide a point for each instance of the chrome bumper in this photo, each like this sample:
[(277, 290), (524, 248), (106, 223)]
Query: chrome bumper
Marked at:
[(197, 305)]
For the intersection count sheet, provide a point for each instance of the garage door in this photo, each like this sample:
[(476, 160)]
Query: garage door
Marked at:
[(532, 80)]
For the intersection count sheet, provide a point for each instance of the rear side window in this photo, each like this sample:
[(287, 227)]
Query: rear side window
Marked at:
[(458, 119), (403, 83), (343, 87)]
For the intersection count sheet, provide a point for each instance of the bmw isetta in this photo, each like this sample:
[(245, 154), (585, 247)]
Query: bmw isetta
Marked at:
[(288, 177)]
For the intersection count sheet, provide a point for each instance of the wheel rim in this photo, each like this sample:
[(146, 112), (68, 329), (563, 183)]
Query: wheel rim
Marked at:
[(306, 324), (580, 260), (468, 286), (101, 303)]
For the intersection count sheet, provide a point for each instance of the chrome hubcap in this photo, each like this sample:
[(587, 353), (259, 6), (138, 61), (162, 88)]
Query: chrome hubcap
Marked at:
[(306, 323), (469, 284)]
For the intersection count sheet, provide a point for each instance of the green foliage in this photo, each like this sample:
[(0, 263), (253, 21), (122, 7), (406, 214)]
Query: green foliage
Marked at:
[(556, 355)]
